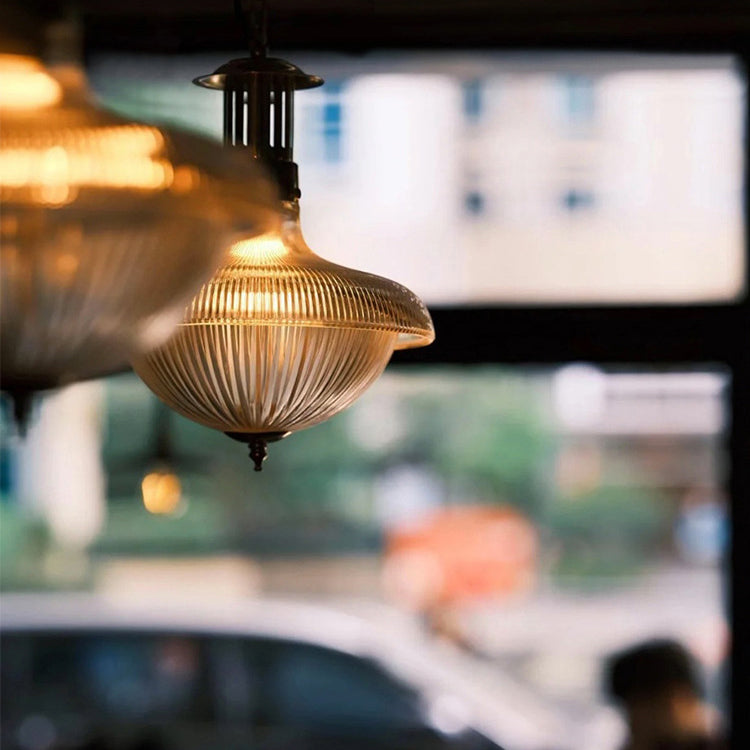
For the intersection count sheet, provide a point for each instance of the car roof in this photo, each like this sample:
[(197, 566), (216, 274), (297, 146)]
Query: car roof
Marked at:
[(264, 618)]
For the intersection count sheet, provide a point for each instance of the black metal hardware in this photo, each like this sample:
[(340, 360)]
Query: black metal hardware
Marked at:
[(259, 101)]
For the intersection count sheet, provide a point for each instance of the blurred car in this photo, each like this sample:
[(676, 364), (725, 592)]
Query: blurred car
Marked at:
[(80, 671)]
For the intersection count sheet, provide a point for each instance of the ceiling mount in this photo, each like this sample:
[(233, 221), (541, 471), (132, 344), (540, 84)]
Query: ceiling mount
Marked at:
[(259, 111)]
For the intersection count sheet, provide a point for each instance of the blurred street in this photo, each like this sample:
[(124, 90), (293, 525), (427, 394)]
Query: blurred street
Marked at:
[(548, 643)]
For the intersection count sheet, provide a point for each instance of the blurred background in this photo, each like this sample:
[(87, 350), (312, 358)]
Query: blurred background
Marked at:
[(531, 520)]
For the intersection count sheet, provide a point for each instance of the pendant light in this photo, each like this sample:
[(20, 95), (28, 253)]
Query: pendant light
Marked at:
[(161, 488), (279, 339), (162, 468), (107, 229)]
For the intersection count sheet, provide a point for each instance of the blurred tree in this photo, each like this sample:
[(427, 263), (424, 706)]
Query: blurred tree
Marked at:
[(485, 432), (610, 531), (24, 544), (488, 438)]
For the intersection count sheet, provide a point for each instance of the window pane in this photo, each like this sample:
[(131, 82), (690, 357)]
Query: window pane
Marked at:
[(126, 678), (528, 522), (315, 688), (488, 178)]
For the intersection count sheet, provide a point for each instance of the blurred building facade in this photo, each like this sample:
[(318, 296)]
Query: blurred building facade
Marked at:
[(571, 179)]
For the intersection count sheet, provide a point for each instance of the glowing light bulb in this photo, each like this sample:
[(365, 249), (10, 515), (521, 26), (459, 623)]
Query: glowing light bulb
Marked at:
[(162, 492)]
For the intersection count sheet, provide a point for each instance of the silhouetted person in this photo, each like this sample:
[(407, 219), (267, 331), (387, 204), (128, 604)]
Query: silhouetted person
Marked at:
[(656, 684)]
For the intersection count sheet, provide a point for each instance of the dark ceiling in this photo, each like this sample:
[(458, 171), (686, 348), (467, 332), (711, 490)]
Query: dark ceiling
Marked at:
[(361, 25)]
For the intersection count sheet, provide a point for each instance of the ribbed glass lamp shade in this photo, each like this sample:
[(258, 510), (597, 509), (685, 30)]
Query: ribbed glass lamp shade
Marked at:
[(280, 339), (108, 227)]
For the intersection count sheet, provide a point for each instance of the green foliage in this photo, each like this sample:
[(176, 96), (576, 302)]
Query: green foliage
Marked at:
[(484, 432), (305, 484), (131, 529), (486, 436), (481, 431), (611, 531), (24, 540)]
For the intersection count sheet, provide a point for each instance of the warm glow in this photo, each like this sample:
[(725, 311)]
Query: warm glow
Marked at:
[(260, 250), (113, 157), (108, 227), (65, 266), (47, 157), (24, 84), (162, 492), (185, 179), (280, 340)]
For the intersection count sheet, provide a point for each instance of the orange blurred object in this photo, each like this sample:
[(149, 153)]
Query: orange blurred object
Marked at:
[(461, 554)]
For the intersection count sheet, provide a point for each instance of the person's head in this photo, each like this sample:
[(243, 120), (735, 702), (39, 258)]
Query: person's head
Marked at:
[(658, 687)]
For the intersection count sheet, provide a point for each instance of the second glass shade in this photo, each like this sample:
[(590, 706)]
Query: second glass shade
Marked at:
[(107, 229), (280, 339)]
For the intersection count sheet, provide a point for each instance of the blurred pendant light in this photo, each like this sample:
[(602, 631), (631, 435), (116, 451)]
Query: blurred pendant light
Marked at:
[(107, 227), (162, 492), (161, 488), (279, 339), (164, 471)]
